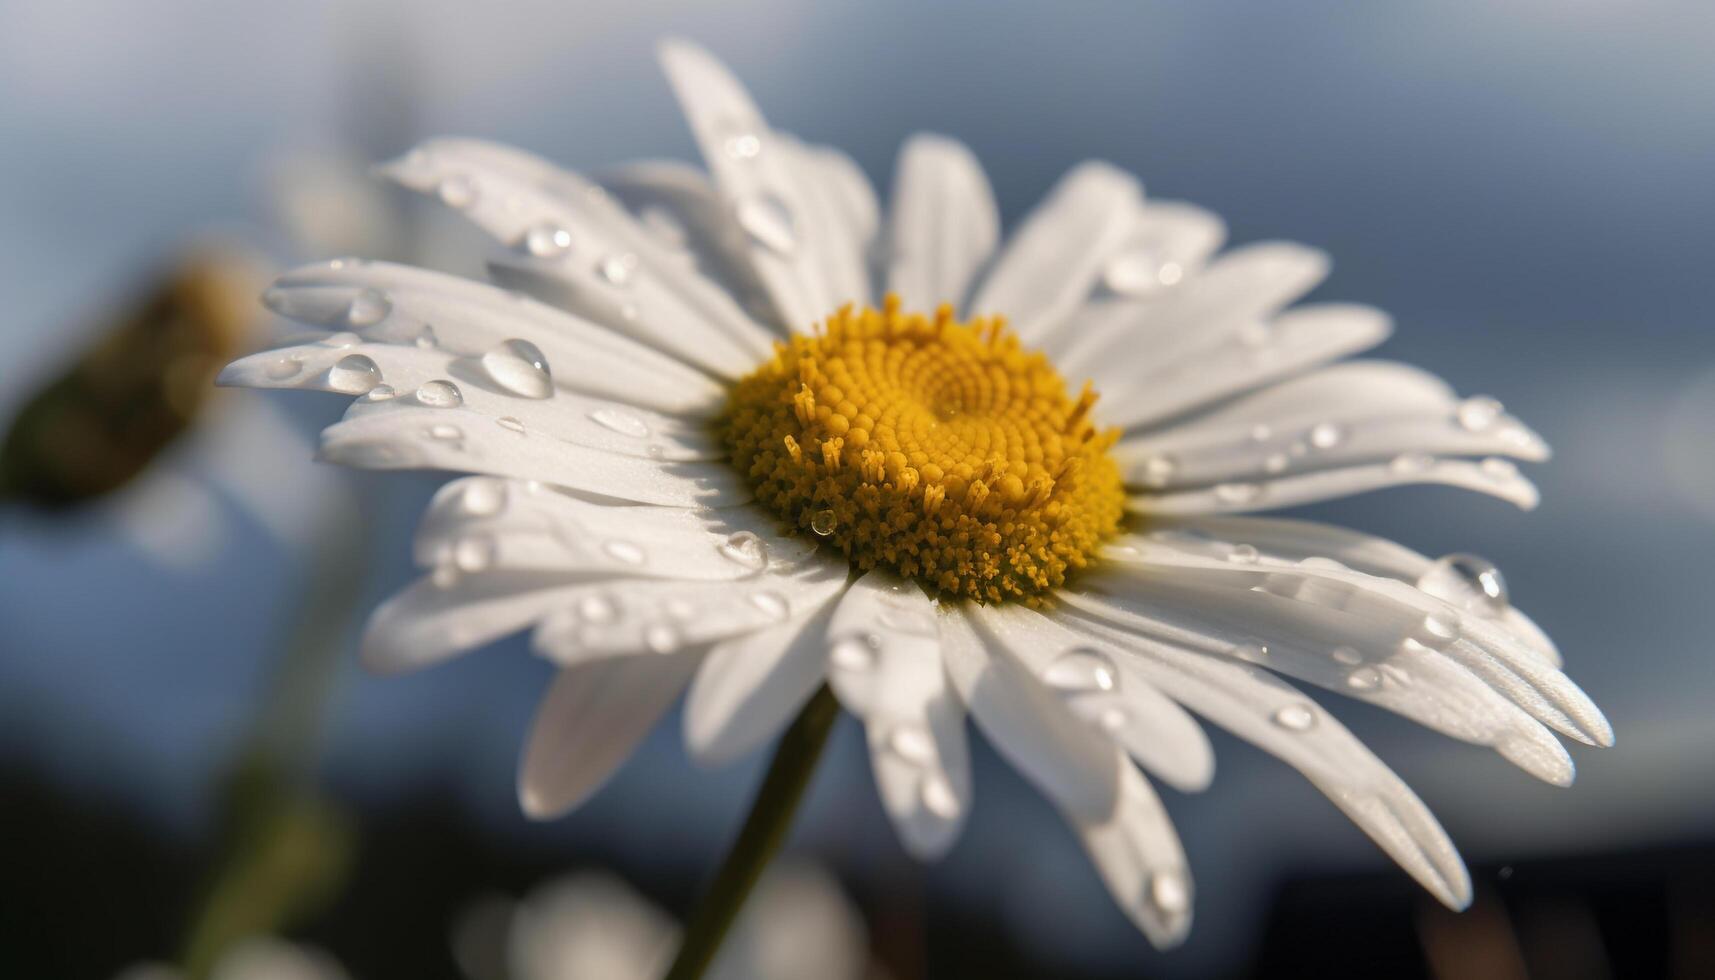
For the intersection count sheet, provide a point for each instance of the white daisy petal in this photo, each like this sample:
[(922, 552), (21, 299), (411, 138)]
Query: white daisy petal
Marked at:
[(1494, 476), (482, 523), (943, 224), (1342, 415), (1293, 540), (592, 718), (510, 383), (885, 668), (840, 203), (652, 616), (1054, 258), (601, 262), (398, 304), (677, 202), (1107, 691), (1258, 354), (765, 186), (1276, 718), (439, 617), (1138, 854), (1338, 651), (1071, 762), (1327, 604), (390, 436), (750, 687)]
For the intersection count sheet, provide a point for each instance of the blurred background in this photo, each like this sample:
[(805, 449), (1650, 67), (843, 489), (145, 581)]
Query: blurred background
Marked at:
[(1526, 185)]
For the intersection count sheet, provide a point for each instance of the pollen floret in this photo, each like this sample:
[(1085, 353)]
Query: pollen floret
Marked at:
[(936, 448)]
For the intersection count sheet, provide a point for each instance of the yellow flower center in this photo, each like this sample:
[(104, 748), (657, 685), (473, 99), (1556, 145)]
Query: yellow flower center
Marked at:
[(935, 448)]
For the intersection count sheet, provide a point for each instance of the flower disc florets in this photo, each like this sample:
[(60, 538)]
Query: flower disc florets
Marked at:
[(935, 448)]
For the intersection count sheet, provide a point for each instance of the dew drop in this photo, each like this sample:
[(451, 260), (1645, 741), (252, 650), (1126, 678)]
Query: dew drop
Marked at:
[(368, 308), (1244, 554), (341, 340), (474, 553), (618, 269), (1135, 272), (1261, 433), (1440, 629), (1112, 719), (380, 393), (823, 522), (1347, 656), (1411, 462), (283, 368), (1237, 493), (661, 638), (1168, 892), (1251, 652), (746, 549), (1081, 670), (547, 240), (1296, 717), (457, 191), (510, 424), (1275, 463), (519, 367), (770, 604), (1467, 581), (354, 374), (1478, 413), (596, 609), (621, 422), (767, 221), (426, 339), (911, 743), (483, 497), (743, 145), (853, 653), (1158, 470), (1326, 435), (446, 433), (440, 394), (1364, 679), (624, 551)]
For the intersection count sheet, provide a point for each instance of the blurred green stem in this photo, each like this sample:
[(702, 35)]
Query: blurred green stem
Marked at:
[(765, 829)]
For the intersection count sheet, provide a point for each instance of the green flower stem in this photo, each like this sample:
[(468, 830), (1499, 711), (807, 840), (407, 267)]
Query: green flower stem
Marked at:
[(764, 830)]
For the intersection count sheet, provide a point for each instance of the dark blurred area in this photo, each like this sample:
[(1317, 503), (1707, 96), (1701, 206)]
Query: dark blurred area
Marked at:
[(1526, 186)]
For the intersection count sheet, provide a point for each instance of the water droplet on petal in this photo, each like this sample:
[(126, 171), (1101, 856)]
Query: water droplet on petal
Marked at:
[(426, 339), (1134, 272), (440, 394), (618, 269), (1238, 494), (1478, 413), (1467, 581), (661, 638), (911, 743), (938, 796), (381, 393), (341, 340), (746, 549), (621, 422), (1158, 470), (283, 368), (457, 191), (771, 604), (1261, 433), (510, 424), (1347, 656), (1251, 652), (1411, 462), (519, 367), (624, 551), (1112, 719), (596, 608), (823, 522), (1439, 630), (1168, 892), (547, 240), (354, 374), (1244, 554), (1326, 435), (742, 144), (1364, 679), (483, 497), (853, 653), (368, 308), (474, 553), (446, 433), (768, 222), (1081, 670), (1275, 463), (1296, 717)]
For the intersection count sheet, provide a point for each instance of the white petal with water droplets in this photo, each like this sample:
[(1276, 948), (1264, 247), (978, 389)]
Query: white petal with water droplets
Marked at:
[(1056, 255), (1278, 719), (607, 266), (1342, 415), (766, 186), (401, 435), (527, 526), (592, 718), (581, 420), (654, 616), (1137, 853), (468, 318), (1124, 705), (912, 718), (431, 620), (1491, 476), (750, 687), (1141, 391), (943, 223), (1071, 762)]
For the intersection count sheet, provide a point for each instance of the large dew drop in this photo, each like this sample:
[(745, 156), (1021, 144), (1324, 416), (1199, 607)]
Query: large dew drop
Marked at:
[(354, 374), (519, 367), (368, 308), (440, 394), (1081, 670), (1468, 582)]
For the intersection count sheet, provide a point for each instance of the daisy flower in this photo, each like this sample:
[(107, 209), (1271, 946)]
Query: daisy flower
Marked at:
[(739, 437)]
